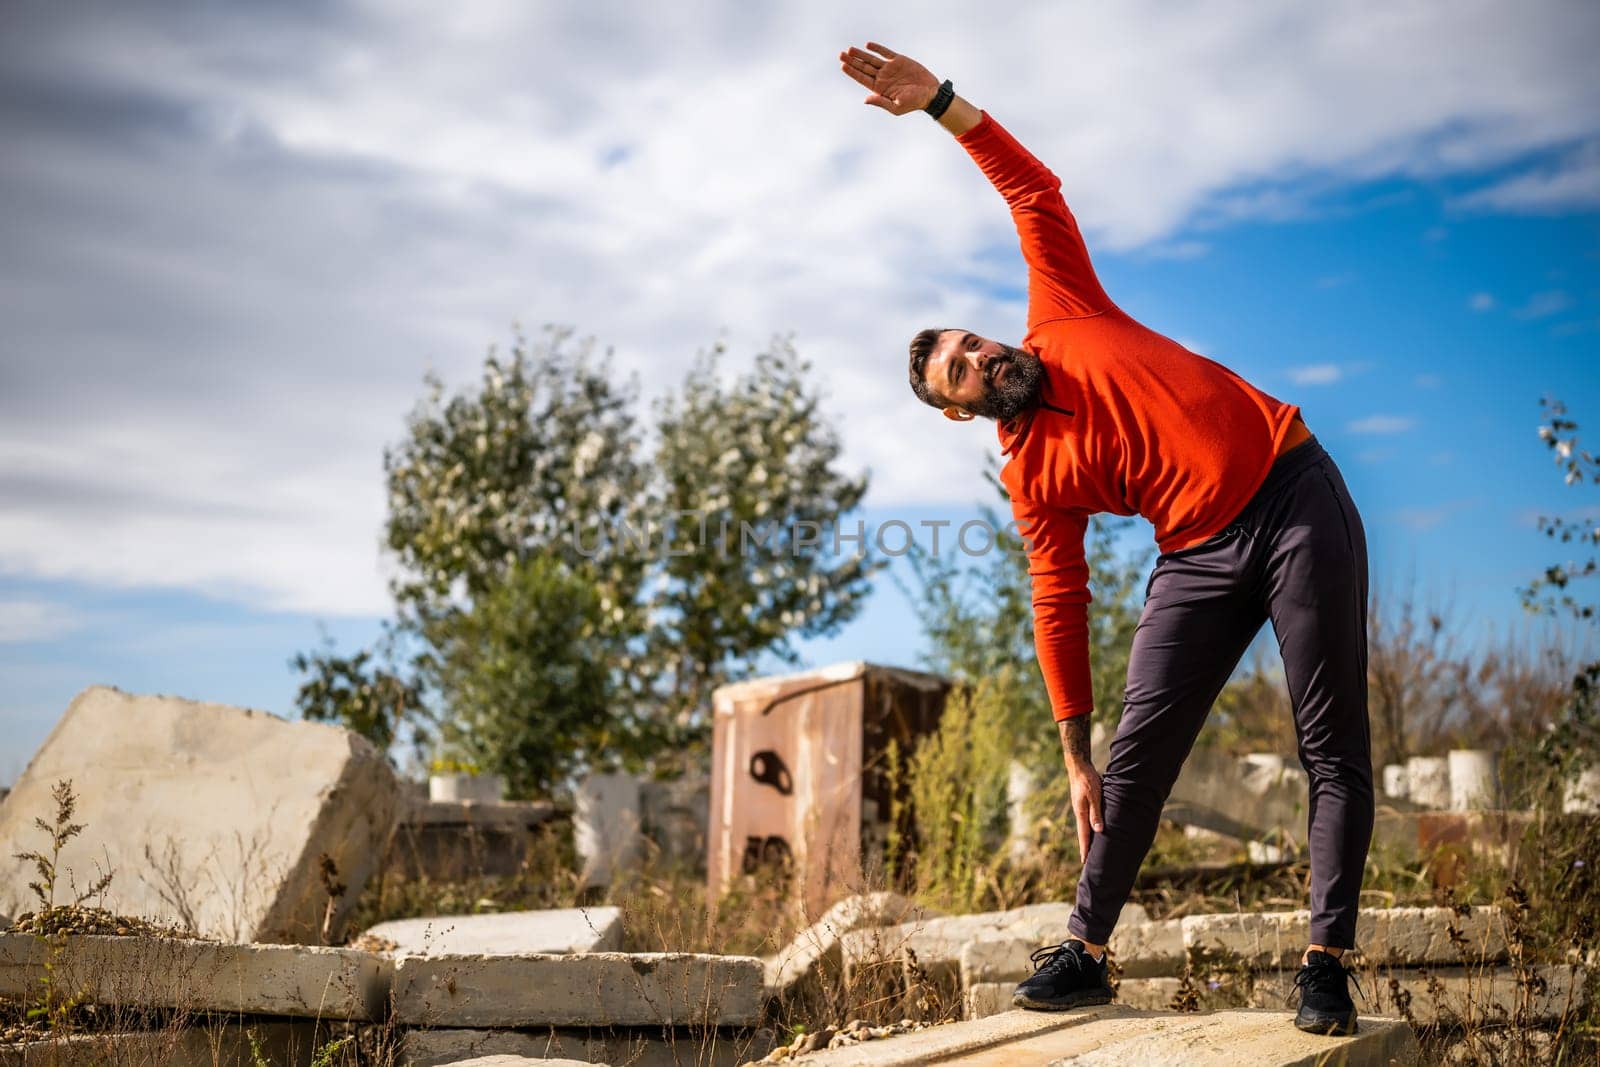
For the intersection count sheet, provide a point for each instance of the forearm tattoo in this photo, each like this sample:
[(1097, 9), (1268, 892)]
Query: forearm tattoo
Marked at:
[(1075, 737)]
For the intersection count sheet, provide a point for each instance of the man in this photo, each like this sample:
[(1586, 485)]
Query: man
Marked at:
[(1096, 413)]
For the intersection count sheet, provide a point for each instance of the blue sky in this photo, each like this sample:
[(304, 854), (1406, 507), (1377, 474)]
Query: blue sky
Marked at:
[(239, 239)]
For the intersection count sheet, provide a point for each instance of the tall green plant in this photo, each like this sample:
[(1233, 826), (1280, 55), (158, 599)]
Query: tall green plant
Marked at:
[(957, 780)]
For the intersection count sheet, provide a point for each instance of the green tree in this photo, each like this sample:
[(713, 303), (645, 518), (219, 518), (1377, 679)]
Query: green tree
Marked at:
[(524, 674), (356, 693), (542, 459), (751, 496), (498, 495)]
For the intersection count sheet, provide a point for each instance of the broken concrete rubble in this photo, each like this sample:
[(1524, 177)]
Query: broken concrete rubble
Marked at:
[(639, 1047), (603, 989), (818, 945), (210, 817), (200, 976), (514, 933), (1121, 1036), (1408, 936), (938, 943)]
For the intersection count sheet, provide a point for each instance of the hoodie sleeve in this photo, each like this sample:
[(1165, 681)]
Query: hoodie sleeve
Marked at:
[(1061, 280), (1060, 577)]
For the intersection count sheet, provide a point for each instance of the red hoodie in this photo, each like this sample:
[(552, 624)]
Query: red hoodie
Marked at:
[(1130, 422)]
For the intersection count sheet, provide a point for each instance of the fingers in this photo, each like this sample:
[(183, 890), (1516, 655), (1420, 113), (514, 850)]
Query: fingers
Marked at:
[(1080, 811), (865, 79), (1095, 818), (880, 101), (882, 50)]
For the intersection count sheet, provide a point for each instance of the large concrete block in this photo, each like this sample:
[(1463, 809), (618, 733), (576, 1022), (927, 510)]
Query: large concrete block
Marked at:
[(649, 1047), (1117, 1037), (1250, 800), (1474, 779), (1451, 995), (211, 1043), (1395, 936), (938, 943), (209, 817), (607, 826), (1140, 949), (200, 976), (513, 933), (600, 989), (818, 944)]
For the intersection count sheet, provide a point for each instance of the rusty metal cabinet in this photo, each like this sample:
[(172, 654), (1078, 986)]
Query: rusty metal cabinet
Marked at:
[(798, 773)]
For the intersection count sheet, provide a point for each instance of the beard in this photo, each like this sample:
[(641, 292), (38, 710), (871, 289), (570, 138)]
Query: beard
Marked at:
[(1016, 391)]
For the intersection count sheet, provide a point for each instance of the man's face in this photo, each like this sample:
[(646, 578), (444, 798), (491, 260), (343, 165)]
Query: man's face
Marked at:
[(983, 377)]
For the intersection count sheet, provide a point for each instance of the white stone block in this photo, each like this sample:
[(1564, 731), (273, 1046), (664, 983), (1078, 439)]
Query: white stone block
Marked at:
[(1401, 936), (1474, 779), (645, 1047), (1428, 781), (201, 976), (607, 826), (599, 989), (818, 944), (512, 933), (209, 817), (1396, 781)]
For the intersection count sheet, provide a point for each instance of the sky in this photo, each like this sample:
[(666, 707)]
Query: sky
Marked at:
[(236, 236)]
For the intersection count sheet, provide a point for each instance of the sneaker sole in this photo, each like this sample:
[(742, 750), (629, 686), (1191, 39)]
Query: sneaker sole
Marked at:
[(1077, 1000), (1326, 1025)]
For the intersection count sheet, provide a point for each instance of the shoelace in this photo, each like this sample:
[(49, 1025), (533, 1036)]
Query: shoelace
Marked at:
[(1057, 958), (1312, 974)]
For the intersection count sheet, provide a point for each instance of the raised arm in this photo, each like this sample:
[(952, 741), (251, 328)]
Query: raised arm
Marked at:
[(1061, 279)]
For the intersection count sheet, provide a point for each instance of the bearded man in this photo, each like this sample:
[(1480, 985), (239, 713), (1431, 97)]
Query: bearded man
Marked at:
[(1097, 413)]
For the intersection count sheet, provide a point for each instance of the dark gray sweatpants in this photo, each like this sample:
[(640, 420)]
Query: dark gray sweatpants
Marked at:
[(1296, 554)]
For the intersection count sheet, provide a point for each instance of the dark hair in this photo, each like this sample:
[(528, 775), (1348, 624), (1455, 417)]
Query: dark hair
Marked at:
[(922, 346)]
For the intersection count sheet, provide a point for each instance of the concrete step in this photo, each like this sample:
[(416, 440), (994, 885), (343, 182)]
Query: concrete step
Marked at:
[(1119, 1037)]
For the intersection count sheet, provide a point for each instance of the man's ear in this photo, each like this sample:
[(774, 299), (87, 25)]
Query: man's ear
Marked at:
[(955, 414)]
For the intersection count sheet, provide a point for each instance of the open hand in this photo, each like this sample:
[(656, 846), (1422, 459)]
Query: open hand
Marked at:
[(897, 83)]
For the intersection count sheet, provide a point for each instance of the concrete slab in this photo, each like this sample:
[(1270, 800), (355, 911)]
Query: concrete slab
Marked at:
[(938, 943), (818, 944), (598, 989), (1384, 936), (1141, 950), (1116, 1037), (214, 1044), (652, 1047), (1435, 995), (513, 933), (210, 817), (293, 980)]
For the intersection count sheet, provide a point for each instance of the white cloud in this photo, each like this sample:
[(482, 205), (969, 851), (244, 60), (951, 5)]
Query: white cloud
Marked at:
[(237, 236), (1428, 381), (1429, 518), (1382, 424), (1481, 302), (1573, 184), (1543, 305), (1315, 374), (26, 621)]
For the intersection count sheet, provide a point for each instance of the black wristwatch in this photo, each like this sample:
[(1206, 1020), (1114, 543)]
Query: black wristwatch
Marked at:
[(941, 100)]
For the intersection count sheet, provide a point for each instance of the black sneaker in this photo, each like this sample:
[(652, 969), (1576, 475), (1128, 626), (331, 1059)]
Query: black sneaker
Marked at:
[(1064, 976), (1325, 1004)]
